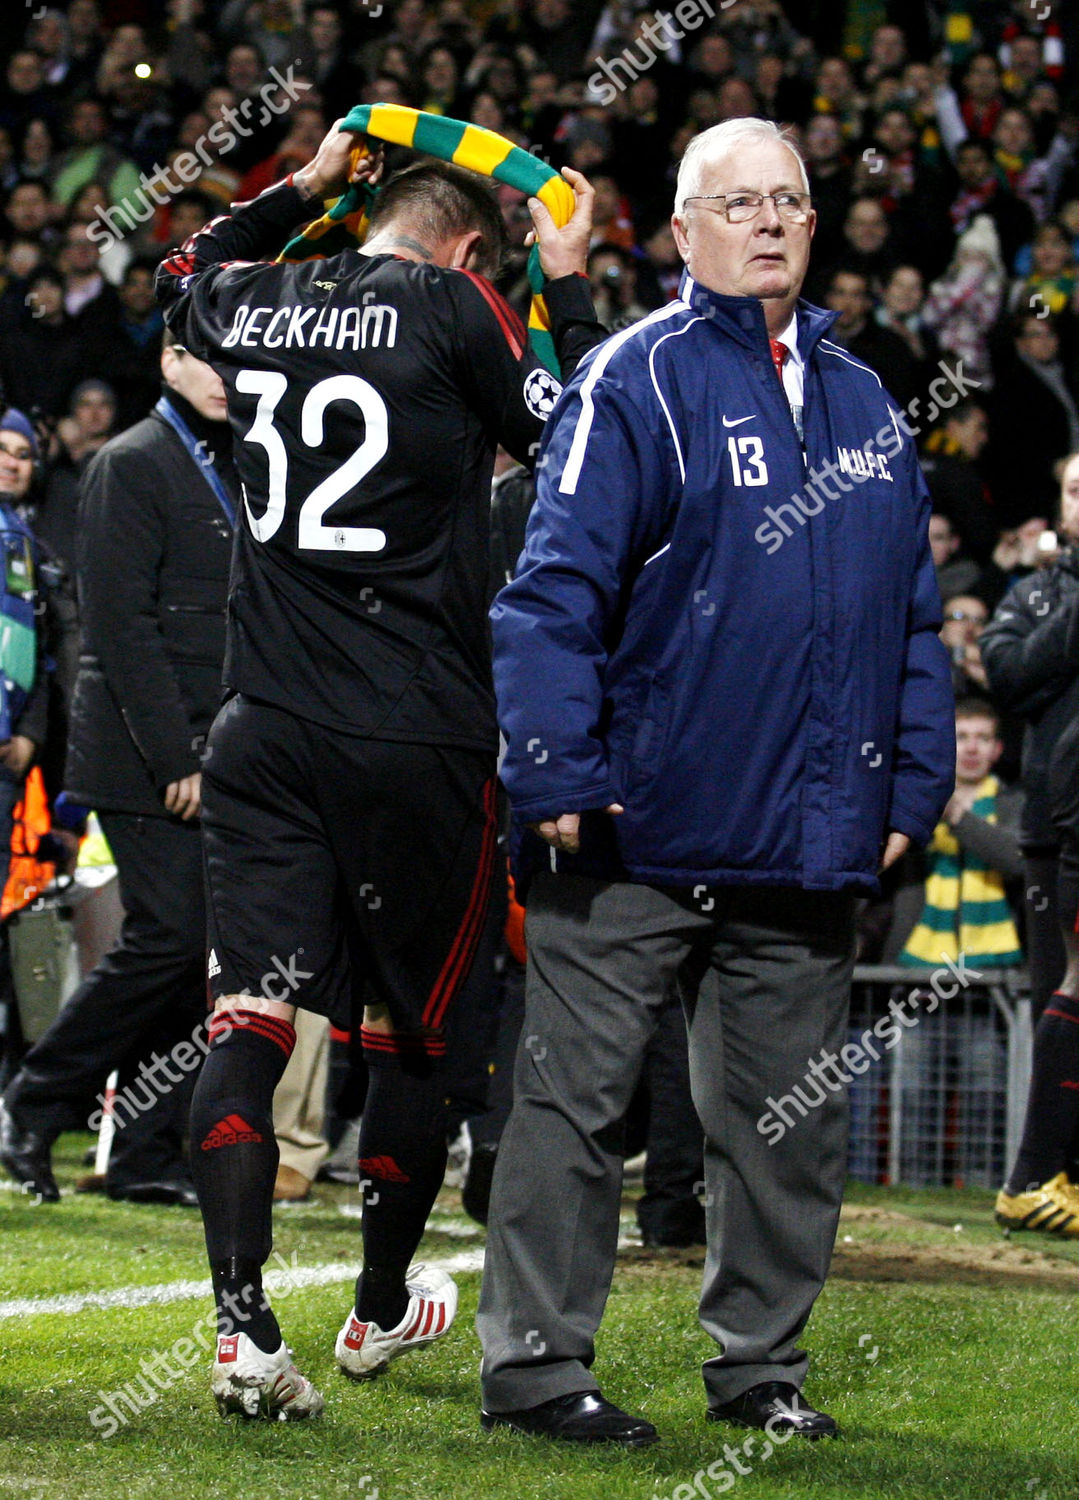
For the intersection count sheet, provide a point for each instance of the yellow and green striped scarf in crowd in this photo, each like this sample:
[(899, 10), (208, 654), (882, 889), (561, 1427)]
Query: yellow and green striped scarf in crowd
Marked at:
[(344, 224), (965, 907)]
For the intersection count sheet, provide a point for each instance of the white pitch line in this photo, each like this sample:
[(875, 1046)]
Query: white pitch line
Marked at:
[(181, 1291), (329, 1274)]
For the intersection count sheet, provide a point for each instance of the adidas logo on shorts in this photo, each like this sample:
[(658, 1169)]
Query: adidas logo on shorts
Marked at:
[(233, 1130), (213, 968)]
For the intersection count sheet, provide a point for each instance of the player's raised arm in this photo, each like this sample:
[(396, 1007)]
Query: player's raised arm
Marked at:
[(508, 382), (257, 230), (564, 251), (564, 259)]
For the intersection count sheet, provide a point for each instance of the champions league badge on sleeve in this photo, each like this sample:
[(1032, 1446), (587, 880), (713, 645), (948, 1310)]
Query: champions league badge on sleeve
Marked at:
[(541, 392)]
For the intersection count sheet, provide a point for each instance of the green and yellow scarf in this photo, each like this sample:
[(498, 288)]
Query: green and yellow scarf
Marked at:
[(344, 224), (965, 908)]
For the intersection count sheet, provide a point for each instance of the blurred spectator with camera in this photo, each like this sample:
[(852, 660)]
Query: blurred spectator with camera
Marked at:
[(612, 274), (965, 617), (43, 351)]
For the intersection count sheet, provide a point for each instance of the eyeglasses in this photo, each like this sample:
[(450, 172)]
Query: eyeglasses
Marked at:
[(741, 207), (958, 614)]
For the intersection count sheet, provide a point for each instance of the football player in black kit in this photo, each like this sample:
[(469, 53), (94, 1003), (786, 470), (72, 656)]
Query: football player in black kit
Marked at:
[(348, 784)]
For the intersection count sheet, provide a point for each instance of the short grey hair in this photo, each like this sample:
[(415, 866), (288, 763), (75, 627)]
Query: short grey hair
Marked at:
[(719, 141)]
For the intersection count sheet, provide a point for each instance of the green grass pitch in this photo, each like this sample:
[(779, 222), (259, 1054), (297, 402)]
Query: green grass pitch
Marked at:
[(948, 1355)]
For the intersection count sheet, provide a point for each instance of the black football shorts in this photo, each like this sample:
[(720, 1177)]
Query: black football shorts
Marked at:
[(342, 871)]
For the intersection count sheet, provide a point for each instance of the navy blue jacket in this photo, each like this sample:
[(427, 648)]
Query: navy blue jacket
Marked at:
[(735, 639)]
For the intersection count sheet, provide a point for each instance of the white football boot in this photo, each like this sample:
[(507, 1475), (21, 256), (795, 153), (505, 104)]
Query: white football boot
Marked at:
[(364, 1349), (245, 1380)]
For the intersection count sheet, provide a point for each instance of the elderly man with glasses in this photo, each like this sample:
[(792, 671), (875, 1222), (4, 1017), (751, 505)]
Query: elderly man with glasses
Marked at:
[(726, 708)]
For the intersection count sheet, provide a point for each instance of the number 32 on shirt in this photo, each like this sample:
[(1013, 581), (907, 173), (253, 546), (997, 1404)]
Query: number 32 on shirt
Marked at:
[(269, 386)]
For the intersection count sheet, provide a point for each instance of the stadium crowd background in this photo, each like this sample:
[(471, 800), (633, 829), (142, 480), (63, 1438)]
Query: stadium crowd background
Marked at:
[(941, 140)]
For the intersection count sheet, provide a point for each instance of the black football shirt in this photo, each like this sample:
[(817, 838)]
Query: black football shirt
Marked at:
[(366, 396)]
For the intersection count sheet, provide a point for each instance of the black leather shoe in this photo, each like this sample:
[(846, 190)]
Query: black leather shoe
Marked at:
[(582, 1417), (777, 1406), (166, 1191), (674, 1237), (26, 1155)]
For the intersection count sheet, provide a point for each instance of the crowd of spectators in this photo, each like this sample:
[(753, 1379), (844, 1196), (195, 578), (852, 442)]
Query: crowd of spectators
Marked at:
[(942, 156), (941, 140)]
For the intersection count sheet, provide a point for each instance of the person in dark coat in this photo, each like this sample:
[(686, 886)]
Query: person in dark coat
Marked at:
[(982, 192), (43, 352), (1034, 420), (155, 540), (856, 331), (956, 484), (135, 372), (832, 185), (1031, 672), (1041, 1192)]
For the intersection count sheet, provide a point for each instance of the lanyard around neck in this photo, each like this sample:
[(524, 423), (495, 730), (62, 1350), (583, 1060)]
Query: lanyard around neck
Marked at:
[(198, 451)]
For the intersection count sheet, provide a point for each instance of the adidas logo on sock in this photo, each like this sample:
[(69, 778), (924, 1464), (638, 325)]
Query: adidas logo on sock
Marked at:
[(384, 1168), (213, 968), (233, 1130), (226, 1349)]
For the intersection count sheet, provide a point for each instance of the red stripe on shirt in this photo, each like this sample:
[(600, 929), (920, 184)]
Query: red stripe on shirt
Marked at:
[(508, 320)]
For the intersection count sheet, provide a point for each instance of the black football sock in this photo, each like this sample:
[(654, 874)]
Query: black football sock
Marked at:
[(1053, 1106), (234, 1163), (241, 1302), (402, 1164)]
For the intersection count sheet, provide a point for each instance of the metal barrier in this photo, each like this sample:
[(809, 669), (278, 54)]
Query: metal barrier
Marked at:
[(943, 1105)]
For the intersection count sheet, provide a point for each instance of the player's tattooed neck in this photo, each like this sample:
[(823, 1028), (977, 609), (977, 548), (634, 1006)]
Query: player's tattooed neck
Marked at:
[(406, 242)]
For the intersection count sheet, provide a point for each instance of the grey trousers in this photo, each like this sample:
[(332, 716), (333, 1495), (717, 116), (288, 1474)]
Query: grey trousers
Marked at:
[(765, 973)]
